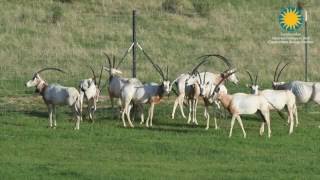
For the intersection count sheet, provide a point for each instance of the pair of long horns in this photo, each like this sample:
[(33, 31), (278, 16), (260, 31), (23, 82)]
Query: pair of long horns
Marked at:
[(276, 75), (225, 60), (95, 77), (251, 79), (222, 79), (50, 68), (111, 64)]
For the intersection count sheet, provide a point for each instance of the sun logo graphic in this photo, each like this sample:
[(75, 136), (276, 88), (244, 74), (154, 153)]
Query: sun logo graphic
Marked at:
[(291, 19)]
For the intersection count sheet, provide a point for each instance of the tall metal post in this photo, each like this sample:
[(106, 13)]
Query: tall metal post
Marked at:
[(306, 45), (134, 41)]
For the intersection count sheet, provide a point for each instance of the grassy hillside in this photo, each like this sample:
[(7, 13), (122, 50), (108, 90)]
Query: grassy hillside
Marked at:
[(35, 34)]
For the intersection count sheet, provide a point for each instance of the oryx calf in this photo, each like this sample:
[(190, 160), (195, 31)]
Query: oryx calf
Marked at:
[(90, 90), (150, 93), (278, 100), (54, 95)]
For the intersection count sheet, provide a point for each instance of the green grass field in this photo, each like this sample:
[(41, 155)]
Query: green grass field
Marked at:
[(41, 33)]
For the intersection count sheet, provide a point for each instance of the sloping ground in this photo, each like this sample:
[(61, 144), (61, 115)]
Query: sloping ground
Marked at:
[(36, 34)]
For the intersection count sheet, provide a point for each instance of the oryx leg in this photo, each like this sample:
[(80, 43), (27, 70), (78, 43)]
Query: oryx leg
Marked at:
[(296, 115), (81, 103), (124, 112), (195, 103), (290, 112), (232, 124), (54, 116), (262, 128), (190, 111), (207, 116), (241, 125), (267, 119), (150, 112), (50, 115), (128, 110), (78, 114), (181, 100), (215, 119)]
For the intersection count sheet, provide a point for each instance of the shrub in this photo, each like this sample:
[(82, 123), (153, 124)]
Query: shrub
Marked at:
[(172, 6), (55, 14), (202, 7)]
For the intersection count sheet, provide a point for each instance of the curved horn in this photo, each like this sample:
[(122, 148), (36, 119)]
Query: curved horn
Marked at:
[(222, 79), (225, 60), (251, 79), (55, 69), (167, 73), (113, 61), (94, 75), (276, 71), (100, 77), (256, 80), (281, 71), (109, 60)]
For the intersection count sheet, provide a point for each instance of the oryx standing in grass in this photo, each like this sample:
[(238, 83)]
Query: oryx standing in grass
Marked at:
[(278, 100), (150, 93), (187, 86), (116, 82), (54, 94), (304, 91), (206, 91), (241, 103), (90, 90)]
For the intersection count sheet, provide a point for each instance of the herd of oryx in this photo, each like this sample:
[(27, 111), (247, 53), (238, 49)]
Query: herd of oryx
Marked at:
[(131, 92)]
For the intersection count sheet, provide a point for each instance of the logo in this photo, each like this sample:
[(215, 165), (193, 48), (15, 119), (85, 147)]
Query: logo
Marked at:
[(291, 19)]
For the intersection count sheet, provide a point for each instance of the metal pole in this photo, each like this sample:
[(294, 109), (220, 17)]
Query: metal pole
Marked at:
[(306, 46), (134, 41)]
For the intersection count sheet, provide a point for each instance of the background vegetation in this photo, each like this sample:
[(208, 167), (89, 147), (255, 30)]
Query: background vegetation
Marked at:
[(71, 34)]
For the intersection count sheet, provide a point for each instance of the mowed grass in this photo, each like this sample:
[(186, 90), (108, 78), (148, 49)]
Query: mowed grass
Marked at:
[(42, 33), (169, 150)]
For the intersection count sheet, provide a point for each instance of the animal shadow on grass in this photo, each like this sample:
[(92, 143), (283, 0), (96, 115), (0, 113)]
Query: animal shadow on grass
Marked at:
[(34, 113)]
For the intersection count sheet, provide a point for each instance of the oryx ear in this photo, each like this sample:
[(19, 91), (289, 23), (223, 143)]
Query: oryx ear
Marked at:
[(105, 68), (247, 85)]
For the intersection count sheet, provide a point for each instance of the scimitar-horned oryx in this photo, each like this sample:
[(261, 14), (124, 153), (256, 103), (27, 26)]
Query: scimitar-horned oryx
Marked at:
[(54, 94)]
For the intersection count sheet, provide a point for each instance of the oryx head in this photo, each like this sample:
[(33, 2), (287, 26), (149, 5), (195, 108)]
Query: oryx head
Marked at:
[(203, 84), (275, 82), (112, 68), (36, 79), (254, 87), (216, 90), (98, 86), (165, 81)]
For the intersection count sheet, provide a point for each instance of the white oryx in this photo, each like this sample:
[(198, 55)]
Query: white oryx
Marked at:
[(116, 82), (241, 103), (90, 90), (150, 93), (54, 94), (278, 100), (304, 91), (188, 86), (206, 92)]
